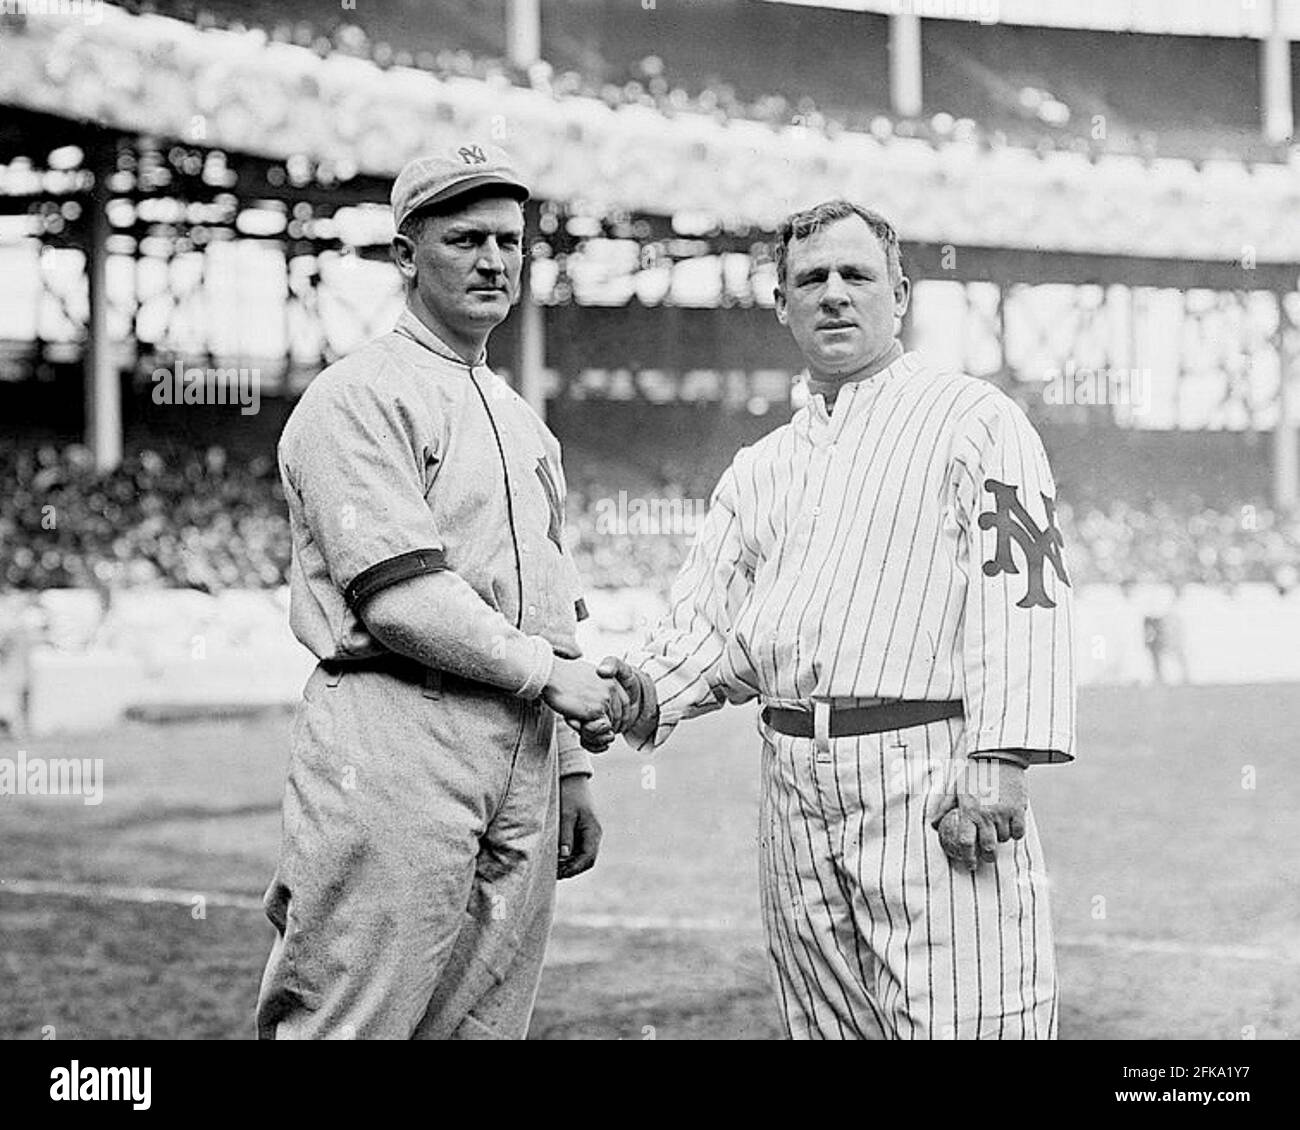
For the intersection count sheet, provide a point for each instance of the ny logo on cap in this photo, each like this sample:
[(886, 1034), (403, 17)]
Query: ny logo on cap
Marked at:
[(472, 154)]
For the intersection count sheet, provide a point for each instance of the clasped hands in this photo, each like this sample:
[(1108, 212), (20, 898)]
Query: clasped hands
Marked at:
[(599, 702)]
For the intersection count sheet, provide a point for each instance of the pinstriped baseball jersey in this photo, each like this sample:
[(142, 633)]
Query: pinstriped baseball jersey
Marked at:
[(904, 546)]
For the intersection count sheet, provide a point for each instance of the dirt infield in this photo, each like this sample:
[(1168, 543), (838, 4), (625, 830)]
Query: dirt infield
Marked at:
[(1172, 845)]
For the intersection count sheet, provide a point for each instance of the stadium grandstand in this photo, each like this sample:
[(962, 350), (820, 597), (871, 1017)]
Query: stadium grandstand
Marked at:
[(205, 185)]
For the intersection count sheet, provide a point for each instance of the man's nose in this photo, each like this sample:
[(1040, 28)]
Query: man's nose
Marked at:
[(490, 260), (835, 292)]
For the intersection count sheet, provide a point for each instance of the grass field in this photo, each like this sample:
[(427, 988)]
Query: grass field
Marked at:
[(1176, 888)]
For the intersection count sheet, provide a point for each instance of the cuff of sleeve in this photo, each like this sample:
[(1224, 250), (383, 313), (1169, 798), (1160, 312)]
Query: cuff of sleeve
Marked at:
[(575, 762), (649, 732), (540, 672), (1057, 749), (386, 573), (1019, 757), (573, 759)]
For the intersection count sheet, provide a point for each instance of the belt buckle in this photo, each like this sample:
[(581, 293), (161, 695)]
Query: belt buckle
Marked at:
[(821, 712)]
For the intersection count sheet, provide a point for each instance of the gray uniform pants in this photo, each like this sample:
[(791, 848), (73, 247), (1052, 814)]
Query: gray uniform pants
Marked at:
[(416, 882)]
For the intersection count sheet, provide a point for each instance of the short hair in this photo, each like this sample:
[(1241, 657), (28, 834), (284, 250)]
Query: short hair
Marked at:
[(413, 226), (800, 225)]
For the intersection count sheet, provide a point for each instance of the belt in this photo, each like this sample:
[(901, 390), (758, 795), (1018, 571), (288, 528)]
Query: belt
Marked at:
[(851, 721), (398, 667), (390, 663)]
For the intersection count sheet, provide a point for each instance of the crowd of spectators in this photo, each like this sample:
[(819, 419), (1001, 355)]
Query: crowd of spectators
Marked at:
[(208, 522), (649, 84), (1180, 545), (202, 521)]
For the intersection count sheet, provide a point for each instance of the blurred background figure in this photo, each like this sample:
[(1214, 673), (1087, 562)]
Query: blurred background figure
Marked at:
[(1163, 634)]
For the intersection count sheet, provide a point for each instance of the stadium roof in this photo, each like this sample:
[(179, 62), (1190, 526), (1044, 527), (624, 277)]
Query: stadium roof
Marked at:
[(1250, 19), (236, 92), (1031, 85)]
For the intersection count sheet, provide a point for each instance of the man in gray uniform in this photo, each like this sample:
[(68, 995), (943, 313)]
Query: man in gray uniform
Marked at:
[(425, 796)]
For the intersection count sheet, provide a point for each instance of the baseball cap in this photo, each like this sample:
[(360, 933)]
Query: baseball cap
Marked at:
[(451, 172)]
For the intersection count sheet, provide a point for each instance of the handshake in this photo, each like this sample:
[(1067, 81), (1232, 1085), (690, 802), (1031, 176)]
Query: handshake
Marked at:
[(602, 701)]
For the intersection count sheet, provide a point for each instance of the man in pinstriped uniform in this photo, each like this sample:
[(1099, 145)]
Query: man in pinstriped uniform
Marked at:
[(885, 573)]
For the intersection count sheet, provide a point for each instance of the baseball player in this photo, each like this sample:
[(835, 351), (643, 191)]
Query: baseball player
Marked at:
[(425, 797), (885, 574)]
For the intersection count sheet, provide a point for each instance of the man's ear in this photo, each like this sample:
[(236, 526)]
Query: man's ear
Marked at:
[(782, 313), (404, 257), (902, 296)]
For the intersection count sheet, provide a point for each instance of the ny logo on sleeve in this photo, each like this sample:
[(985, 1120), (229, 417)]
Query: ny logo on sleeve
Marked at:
[(1015, 524)]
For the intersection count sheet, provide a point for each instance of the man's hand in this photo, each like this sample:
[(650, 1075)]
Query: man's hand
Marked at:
[(579, 828), (583, 697), (638, 701), (637, 685), (985, 807)]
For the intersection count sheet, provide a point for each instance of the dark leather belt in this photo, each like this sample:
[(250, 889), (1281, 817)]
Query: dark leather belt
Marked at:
[(851, 721), (398, 666), (389, 662)]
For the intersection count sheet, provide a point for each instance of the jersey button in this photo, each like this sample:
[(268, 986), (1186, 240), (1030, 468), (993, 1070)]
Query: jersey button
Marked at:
[(532, 610), (816, 511)]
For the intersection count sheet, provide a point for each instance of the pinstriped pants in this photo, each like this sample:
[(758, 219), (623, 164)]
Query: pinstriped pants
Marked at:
[(871, 932)]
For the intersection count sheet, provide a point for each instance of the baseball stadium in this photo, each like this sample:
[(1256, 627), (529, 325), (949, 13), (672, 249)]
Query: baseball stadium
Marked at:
[(1099, 210)]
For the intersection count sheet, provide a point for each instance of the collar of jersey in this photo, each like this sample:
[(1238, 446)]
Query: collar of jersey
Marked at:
[(904, 365), (418, 332)]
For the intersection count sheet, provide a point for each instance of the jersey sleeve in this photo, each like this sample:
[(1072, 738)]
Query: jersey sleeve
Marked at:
[(1018, 624), (687, 654), (356, 465), (573, 759)]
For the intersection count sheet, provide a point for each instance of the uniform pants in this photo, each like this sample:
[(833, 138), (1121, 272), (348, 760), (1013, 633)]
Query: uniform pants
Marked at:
[(415, 889), (872, 933)]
